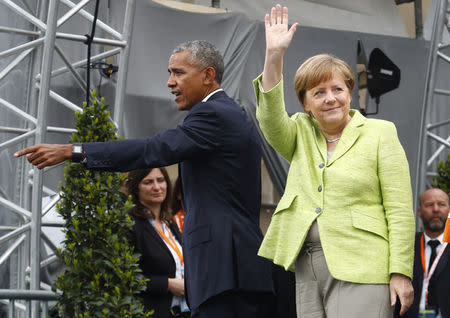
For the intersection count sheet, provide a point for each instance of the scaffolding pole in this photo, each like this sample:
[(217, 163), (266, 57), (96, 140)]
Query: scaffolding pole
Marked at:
[(26, 238), (41, 129), (429, 152)]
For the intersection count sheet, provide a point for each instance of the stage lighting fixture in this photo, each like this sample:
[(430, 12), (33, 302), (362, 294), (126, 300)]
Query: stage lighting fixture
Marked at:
[(381, 74), (109, 70)]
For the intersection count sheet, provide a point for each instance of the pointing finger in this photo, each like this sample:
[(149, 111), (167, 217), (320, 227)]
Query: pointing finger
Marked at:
[(25, 151)]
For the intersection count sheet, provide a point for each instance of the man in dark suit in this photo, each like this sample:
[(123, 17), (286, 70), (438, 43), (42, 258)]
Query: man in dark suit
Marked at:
[(429, 248), (219, 153)]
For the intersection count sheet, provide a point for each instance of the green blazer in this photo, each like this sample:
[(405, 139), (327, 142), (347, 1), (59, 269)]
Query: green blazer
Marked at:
[(361, 197)]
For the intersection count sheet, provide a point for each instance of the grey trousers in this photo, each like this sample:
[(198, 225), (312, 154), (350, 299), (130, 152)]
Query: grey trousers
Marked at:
[(319, 295)]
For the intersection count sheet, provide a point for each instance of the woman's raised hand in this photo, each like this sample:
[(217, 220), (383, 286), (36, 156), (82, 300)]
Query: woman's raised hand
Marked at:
[(278, 33), (278, 38)]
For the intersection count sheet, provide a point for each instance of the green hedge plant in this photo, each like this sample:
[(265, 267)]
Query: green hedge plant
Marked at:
[(442, 180), (102, 277)]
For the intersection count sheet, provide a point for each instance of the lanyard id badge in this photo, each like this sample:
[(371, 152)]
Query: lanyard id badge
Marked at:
[(427, 313)]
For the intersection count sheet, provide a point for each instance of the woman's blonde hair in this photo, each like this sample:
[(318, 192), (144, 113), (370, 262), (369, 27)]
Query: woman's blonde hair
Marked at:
[(320, 68)]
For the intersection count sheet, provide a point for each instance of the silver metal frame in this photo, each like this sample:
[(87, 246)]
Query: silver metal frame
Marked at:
[(431, 145), (26, 236)]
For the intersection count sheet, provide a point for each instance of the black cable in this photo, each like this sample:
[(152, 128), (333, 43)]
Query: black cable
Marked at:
[(99, 86), (377, 103), (89, 39)]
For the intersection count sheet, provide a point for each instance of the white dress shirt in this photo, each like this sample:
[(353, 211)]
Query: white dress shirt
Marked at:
[(427, 266)]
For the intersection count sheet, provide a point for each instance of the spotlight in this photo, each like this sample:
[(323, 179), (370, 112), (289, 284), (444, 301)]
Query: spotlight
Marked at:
[(382, 74), (379, 76)]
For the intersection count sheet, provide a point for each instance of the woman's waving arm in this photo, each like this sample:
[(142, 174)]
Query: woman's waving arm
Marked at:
[(278, 38)]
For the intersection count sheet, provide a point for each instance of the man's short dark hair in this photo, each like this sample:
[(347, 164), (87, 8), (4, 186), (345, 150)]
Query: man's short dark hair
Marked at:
[(203, 54)]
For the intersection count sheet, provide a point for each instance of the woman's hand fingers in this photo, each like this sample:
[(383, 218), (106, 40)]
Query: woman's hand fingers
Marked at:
[(272, 16), (278, 12), (278, 39), (400, 285), (278, 35)]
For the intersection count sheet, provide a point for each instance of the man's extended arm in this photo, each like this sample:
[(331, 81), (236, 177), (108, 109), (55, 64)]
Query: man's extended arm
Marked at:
[(199, 134), (45, 155)]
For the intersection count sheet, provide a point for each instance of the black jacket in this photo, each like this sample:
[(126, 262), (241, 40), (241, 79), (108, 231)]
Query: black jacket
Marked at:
[(157, 264), (219, 152), (439, 283)]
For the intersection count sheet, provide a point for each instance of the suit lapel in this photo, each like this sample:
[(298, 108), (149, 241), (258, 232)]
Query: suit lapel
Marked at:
[(157, 237), (349, 136), (319, 139), (418, 270), (442, 262), (175, 231)]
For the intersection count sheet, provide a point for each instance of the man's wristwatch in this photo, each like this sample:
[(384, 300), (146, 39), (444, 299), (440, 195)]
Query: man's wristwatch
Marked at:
[(77, 152)]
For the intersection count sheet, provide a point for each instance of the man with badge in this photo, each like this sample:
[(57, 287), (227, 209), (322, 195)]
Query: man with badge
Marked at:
[(431, 277)]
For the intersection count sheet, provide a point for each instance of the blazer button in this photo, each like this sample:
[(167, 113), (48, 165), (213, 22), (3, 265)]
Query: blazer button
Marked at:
[(321, 165), (319, 188), (318, 210)]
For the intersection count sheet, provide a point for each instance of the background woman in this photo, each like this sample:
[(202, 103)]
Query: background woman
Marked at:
[(158, 242), (345, 223)]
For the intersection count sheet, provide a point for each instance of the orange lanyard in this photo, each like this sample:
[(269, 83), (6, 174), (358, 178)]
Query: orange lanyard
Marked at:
[(179, 218), (422, 253), (171, 241)]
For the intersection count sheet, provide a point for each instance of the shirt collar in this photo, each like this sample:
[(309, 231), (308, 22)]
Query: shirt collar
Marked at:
[(440, 238), (211, 94)]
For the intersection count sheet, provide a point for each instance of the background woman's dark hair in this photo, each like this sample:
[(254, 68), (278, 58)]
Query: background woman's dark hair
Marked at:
[(176, 203), (134, 178)]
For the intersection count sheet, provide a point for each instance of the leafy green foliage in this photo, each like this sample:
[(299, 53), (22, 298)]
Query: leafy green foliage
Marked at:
[(102, 277), (442, 180)]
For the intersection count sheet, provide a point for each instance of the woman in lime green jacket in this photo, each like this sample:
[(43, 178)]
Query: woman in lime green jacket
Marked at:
[(345, 223)]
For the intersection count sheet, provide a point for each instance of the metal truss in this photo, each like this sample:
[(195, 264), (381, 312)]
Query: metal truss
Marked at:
[(43, 37), (434, 141)]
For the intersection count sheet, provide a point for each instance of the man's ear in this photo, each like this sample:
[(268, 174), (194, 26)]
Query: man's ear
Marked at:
[(210, 75)]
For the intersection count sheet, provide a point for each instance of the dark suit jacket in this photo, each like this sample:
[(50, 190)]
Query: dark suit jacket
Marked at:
[(439, 283), (157, 264), (219, 153)]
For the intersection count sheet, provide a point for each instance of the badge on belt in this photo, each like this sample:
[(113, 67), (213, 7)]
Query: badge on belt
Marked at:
[(427, 313)]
